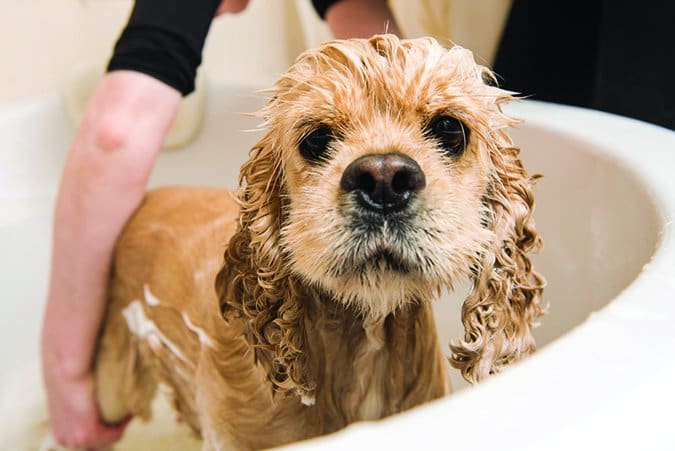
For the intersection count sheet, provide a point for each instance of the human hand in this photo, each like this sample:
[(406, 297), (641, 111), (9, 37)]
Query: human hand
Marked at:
[(231, 7), (75, 420)]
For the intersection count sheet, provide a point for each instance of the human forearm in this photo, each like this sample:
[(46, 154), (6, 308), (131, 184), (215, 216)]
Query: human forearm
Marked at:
[(103, 182), (361, 19)]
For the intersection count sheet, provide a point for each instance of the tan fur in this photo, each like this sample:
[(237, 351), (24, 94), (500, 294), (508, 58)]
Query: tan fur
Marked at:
[(294, 342)]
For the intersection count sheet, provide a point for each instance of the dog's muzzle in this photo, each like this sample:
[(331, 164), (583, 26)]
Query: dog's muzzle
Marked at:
[(383, 183)]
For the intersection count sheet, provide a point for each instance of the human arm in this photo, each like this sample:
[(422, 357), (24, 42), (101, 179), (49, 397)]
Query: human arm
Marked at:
[(102, 183)]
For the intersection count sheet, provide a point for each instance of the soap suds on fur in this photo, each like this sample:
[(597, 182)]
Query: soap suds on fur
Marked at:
[(201, 334), (150, 298), (140, 326)]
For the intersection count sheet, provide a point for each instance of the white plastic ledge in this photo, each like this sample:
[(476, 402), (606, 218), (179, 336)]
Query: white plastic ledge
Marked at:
[(607, 384)]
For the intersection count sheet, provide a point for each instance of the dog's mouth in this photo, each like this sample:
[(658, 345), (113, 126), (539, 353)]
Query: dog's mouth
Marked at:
[(382, 259), (379, 243), (374, 243)]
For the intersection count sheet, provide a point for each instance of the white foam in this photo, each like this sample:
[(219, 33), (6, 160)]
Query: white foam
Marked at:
[(201, 334), (139, 325), (307, 400), (150, 298)]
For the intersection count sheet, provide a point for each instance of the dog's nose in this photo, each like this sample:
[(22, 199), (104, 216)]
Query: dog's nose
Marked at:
[(383, 182)]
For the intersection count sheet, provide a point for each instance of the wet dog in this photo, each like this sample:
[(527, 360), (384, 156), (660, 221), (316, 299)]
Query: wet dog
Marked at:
[(386, 174)]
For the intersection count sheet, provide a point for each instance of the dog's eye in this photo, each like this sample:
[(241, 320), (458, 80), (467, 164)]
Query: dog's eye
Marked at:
[(451, 134), (313, 146)]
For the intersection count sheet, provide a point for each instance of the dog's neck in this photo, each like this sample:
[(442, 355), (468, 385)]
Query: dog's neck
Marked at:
[(367, 369), (358, 370)]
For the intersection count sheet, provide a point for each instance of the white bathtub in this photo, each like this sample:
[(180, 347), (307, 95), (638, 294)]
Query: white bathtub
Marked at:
[(603, 378)]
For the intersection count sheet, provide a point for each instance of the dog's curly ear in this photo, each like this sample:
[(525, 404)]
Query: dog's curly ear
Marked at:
[(500, 312), (255, 283)]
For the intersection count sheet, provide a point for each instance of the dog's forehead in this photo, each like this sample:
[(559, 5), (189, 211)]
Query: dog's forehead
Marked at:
[(418, 76)]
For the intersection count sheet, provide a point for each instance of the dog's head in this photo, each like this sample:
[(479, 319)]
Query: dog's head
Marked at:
[(386, 174)]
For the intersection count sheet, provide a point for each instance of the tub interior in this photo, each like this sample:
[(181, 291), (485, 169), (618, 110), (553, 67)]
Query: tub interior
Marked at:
[(599, 223)]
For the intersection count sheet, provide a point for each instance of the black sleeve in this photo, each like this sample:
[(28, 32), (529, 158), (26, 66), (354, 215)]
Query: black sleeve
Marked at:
[(164, 39), (321, 6)]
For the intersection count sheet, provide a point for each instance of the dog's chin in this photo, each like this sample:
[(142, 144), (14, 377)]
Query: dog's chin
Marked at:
[(378, 285), (386, 261), (382, 262)]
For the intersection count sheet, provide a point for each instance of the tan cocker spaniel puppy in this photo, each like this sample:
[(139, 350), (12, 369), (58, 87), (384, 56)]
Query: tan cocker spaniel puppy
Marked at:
[(386, 174)]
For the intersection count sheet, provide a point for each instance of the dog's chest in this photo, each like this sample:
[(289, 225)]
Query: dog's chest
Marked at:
[(373, 405)]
